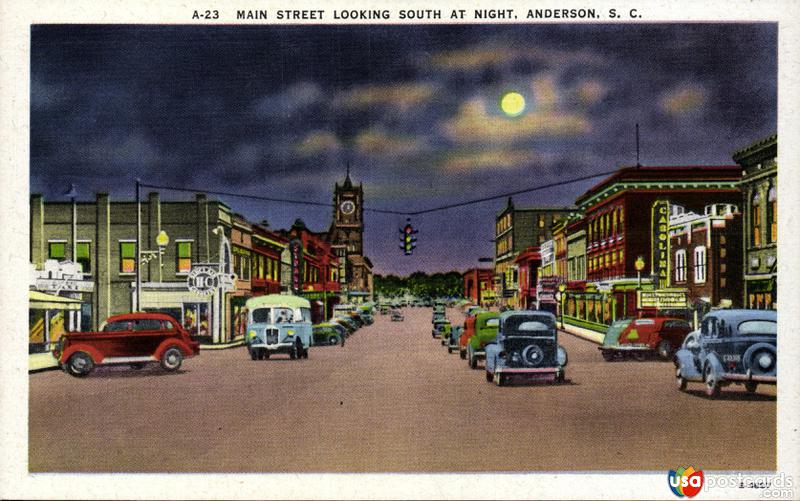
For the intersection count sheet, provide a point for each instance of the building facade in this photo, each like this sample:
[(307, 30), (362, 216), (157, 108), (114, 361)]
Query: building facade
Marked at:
[(517, 229), (478, 286), (576, 250), (760, 236), (346, 237), (706, 255)]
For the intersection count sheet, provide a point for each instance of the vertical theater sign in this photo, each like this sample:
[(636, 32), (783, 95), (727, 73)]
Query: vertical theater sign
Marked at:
[(659, 263), (296, 258)]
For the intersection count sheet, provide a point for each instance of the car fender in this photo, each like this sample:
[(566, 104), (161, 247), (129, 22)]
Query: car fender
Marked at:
[(712, 360), (93, 352), (169, 343), (492, 349), (684, 359)]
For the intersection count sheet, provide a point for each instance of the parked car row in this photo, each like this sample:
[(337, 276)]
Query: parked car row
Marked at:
[(276, 323), (516, 345)]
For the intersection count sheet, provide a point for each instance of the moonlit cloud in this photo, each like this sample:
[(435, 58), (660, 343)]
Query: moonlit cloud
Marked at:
[(684, 99), (401, 96), (466, 162), (317, 142), (378, 141), (491, 54), (295, 98), (474, 124)]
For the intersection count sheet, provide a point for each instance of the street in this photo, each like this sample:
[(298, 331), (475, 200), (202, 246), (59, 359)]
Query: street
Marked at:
[(391, 400)]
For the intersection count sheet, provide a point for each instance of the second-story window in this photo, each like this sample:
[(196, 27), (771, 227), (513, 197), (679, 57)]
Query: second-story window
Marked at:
[(756, 223), (680, 265), (184, 253), (57, 250), (700, 264), (772, 214), (127, 257), (83, 255)]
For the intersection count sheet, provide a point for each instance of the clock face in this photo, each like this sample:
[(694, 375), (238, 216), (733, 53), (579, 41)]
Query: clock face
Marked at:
[(347, 207)]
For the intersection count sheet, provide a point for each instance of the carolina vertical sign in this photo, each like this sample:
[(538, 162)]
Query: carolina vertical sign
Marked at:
[(659, 225), (296, 256)]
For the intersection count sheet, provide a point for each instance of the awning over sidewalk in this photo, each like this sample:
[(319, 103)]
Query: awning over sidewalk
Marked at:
[(41, 301)]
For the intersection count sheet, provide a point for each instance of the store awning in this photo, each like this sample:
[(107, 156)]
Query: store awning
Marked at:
[(41, 301)]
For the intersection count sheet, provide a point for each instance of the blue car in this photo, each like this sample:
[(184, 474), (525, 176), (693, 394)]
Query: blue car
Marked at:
[(731, 346), (526, 347)]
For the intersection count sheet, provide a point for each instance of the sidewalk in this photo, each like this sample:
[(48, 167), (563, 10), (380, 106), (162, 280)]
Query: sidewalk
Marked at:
[(587, 334), (41, 362)]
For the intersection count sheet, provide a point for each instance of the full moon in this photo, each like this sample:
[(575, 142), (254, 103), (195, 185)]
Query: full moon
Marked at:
[(512, 103)]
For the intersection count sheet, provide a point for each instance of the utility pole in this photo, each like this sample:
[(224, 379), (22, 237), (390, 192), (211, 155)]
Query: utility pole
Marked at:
[(138, 264), (637, 147)]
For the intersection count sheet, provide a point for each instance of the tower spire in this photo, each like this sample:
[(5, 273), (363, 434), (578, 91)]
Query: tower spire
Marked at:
[(348, 183)]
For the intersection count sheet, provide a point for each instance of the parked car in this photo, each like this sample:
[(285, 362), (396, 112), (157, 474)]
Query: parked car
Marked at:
[(135, 339), (526, 346), (328, 333), (452, 340), (278, 323), (397, 316), (466, 333), (441, 326), (347, 323), (731, 346), (384, 308), (641, 337), (485, 331)]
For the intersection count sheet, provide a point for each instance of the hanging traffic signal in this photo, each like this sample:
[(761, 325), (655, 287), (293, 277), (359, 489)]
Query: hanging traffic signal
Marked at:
[(409, 241)]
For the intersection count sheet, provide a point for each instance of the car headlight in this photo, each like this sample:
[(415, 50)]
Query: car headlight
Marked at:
[(515, 357), (252, 334)]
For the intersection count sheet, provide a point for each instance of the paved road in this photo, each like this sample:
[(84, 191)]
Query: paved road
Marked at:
[(391, 400)]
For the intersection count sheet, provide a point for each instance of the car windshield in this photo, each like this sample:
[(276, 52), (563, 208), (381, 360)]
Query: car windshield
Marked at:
[(261, 315), (758, 328), (529, 326)]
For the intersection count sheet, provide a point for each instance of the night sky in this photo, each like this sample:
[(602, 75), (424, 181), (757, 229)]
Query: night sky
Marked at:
[(278, 111)]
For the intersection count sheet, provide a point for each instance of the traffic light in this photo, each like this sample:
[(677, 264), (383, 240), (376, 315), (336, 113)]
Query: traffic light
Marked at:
[(409, 241)]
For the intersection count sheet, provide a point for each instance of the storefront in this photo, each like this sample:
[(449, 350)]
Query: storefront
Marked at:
[(595, 306)]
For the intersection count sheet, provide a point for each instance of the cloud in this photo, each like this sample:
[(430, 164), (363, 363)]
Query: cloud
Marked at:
[(486, 159), (684, 99), (401, 96), (590, 92), (318, 142), (378, 141), (116, 149), (545, 91), (293, 99), (474, 124), (45, 95), (481, 56)]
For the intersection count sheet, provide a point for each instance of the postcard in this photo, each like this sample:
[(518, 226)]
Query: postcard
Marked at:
[(368, 250)]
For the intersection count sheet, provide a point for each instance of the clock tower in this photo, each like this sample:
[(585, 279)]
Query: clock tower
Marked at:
[(348, 217)]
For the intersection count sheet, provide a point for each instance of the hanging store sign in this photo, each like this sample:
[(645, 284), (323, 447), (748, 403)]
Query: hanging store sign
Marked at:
[(663, 299), (296, 259), (659, 263), (205, 280)]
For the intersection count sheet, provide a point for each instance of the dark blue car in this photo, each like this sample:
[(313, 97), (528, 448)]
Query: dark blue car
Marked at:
[(731, 346)]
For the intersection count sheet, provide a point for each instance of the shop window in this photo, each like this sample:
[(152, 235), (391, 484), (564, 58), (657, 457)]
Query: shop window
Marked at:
[(700, 264), (756, 220), (184, 252), (127, 257), (83, 255), (767, 300), (680, 265), (275, 269), (772, 214), (57, 250)]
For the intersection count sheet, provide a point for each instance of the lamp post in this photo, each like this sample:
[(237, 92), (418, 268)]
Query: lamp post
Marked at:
[(639, 264), (562, 287)]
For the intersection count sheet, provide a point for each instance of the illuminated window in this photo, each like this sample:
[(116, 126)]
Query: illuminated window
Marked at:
[(756, 222), (680, 265), (541, 221), (83, 255), (127, 257), (184, 251), (772, 214), (613, 259), (57, 250), (699, 264), (614, 223)]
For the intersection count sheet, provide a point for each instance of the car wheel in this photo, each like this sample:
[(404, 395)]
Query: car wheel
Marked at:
[(463, 354), (305, 353), (264, 354), (80, 364), (751, 386), (489, 377), (664, 349), (449, 349), (680, 380), (171, 359), (608, 355), (333, 340), (293, 352), (640, 356), (137, 366), (254, 355), (712, 385), (473, 361)]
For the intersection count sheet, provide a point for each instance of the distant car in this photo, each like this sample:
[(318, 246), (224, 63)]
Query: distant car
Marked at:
[(135, 339), (731, 346), (466, 333), (452, 340), (397, 316), (384, 309), (642, 337), (486, 325), (327, 333), (526, 346), (439, 327), (347, 323)]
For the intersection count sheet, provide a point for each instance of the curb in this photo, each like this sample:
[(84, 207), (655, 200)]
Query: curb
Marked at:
[(585, 334), (222, 346)]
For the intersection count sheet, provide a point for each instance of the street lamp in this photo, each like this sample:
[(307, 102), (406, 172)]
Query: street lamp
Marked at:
[(562, 287), (639, 264)]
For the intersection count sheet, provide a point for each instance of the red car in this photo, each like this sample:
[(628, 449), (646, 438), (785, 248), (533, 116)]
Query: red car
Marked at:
[(133, 338), (640, 337)]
